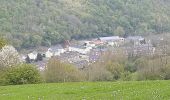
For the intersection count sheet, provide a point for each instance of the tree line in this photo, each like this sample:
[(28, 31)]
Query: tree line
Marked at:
[(32, 23)]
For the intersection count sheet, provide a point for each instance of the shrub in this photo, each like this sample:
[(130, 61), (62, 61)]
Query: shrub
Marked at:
[(2, 42), (152, 69), (126, 76), (109, 67), (2, 77), (56, 71), (98, 72), (22, 74), (116, 69), (130, 66)]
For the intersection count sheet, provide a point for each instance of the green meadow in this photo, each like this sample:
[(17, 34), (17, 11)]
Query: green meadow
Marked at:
[(145, 90)]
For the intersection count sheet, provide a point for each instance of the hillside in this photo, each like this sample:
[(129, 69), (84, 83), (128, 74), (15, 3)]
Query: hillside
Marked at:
[(31, 23), (148, 90)]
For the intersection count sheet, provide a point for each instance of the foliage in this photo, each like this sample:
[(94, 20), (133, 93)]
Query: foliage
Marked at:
[(151, 68), (97, 72), (9, 57), (130, 66), (110, 67), (2, 77), (56, 71), (22, 74), (2, 42), (117, 66), (30, 23), (116, 69), (39, 57)]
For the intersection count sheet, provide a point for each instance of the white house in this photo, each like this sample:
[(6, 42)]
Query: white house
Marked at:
[(80, 50), (22, 57), (113, 40), (55, 51), (48, 54), (113, 44), (59, 51), (33, 55)]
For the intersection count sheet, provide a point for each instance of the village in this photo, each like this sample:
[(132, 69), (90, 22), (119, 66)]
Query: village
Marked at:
[(85, 52)]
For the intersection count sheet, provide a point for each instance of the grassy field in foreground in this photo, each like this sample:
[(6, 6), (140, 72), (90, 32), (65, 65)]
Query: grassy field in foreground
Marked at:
[(149, 90)]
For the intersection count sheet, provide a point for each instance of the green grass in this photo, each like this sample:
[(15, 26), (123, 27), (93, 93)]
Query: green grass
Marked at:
[(149, 90)]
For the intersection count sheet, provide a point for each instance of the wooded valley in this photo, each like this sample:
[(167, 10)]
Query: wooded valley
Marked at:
[(32, 23)]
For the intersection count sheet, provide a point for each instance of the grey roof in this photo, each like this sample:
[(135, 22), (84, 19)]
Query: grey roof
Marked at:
[(55, 48), (109, 38), (135, 38)]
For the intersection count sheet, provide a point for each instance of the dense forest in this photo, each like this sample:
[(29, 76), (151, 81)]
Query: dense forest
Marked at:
[(31, 23)]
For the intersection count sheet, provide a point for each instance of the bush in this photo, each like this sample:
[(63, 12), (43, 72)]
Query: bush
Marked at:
[(110, 67), (126, 76), (116, 69), (2, 77), (22, 74), (98, 73), (2, 42), (56, 71), (130, 66), (167, 73), (152, 69)]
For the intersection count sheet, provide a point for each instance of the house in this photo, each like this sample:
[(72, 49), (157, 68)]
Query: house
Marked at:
[(75, 58), (81, 50), (89, 44), (33, 56), (97, 42), (23, 57), (55, 51), (116, 44), (107, 39), (113, 40), (59, 51), (49, 54)]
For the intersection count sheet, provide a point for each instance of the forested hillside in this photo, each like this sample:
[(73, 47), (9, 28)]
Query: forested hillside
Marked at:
[(30, 23)]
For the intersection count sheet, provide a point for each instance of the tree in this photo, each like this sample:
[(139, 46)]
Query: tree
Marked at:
[(116, 69), (39, 57), (57, 71), (98, 72), (48, 23), (28, 60), (9, 57), (32, 41), (119, 31), (2, 43), (22, 74), (109, 67)]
